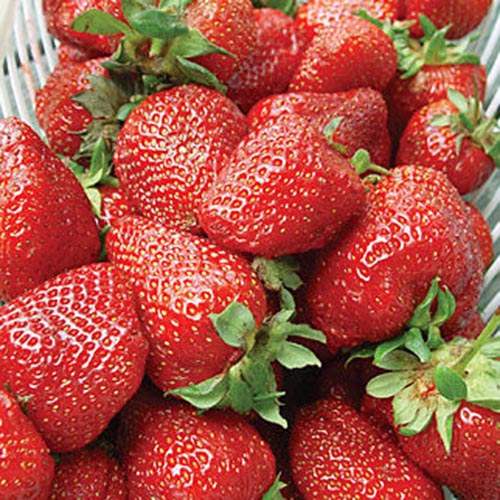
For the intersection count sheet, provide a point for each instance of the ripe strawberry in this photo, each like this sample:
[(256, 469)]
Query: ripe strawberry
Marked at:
[(26, 468), (454, 136), (335, 452), (482, 234), (361, 116), (462, 16), (172, 451), (59, 16), (46, 219), (73, 346), (351, 53), (315, 14), (114, 205), (170, 149), (88, 473), (69, 54), (269, 68), (367, 284)]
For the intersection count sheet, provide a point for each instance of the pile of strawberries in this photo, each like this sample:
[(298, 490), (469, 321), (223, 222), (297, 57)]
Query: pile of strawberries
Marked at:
[(241, 265)]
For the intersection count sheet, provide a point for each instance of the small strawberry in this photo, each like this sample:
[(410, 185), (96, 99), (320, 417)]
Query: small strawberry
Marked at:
[(46, 221), (26, 467), (367, 284), (356, 119), (169, 450), (88, 473), (453, 135), (170, 149), (284, 190), (269, 68), (351, 53), (74, 348), (336, 452)]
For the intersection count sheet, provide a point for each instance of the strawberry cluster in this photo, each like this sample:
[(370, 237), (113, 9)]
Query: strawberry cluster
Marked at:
[(242, 265)]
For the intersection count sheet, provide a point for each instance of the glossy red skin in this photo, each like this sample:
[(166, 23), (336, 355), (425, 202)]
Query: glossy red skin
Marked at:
[(74, 346), (69, 54), (58, 114), (59, 14), (172, 451), (252, 206), (363, 112), (26, 469), (436, 147), (352, 53), (483, 234), (229, 24), (88, 473), (335, 452), (170, 149), (179, 280), (269, 68), (114, 206), (44, 213), (368, 283), (430, 84), (462, 15), (314, 14)]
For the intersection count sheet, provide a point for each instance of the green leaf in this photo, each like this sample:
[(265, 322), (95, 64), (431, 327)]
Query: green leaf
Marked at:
[(234, 324), (156, 24), (98, 22), (274, 493), (458, 99), (199, 74), (278, 273), (302, 330), (287, 302), (240, 395), (441, 121), (194, 44), (405, 406), (363, 352), (492, 348), (206, 394), (445, 412), (421, 316), (415, 343), (292, 355), (269, 410), (420, 421), (385, 348), (95, 198), (388, 384), (450, 384), (445, 306), (398, 360)]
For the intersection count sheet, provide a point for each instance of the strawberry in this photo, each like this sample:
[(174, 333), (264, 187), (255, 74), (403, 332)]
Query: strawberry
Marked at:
[(114, 205), (367, 284), (269, 68), (351, 53), (73, 347), (46, 220), (360, 118), (482, 234), (172, 451), (170, 149), (315, 14), (461, 16), (453, 135), (335, 452), (69, 54), (282, 191), (26, 469), (59, 16), (88, 473)]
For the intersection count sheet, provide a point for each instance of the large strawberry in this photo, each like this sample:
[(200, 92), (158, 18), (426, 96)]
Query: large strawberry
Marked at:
[(169, 450), (356, 119), (170, 149), (416, 227), (46, 221), (453, 135), (73, 347), (350, 53), (26, 467), (335, 452), (284, 190)]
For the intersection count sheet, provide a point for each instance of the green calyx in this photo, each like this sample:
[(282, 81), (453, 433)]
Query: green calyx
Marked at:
[(287, 6), (428, 378), (250, 383), (274, 492), (470, 122)]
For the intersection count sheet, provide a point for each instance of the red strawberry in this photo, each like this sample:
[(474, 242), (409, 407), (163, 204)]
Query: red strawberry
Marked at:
[(283, 191), (59, 16), (88, 473), (315, 14), (172, 451), (170, 149), (351, 53), (73, 346), (46, 219), (482, 234), (367, 284), (336, 452), (114, 205), (69, 54), (26, 467), (361, 113), (454, 136), (462, 16), (230, 25), (269, 68)]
